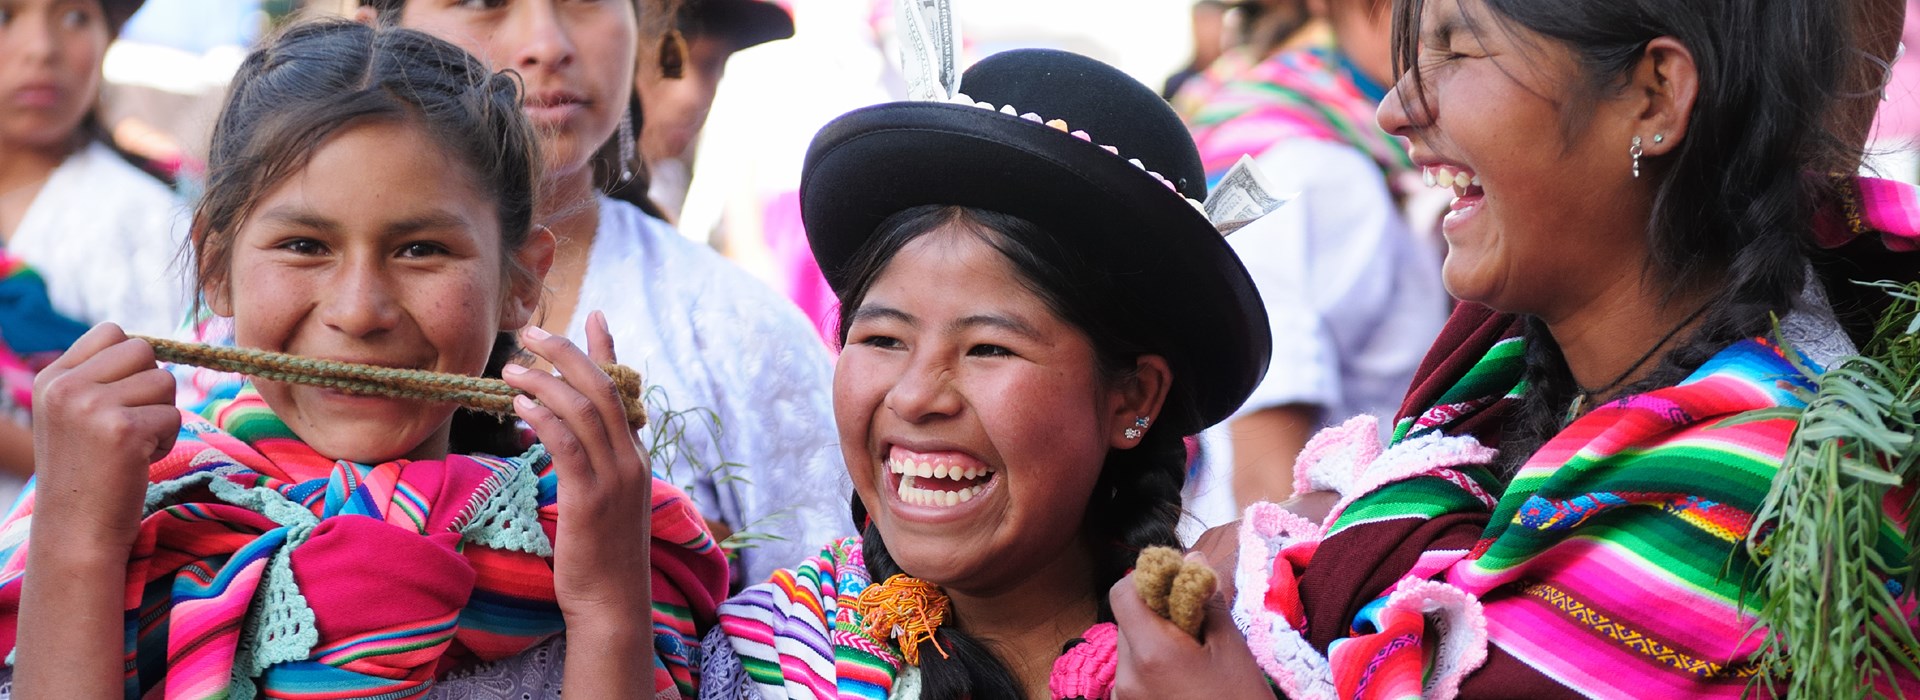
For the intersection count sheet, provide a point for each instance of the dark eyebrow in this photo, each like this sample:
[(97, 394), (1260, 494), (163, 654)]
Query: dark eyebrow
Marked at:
[(302, 218), (309, 219), (1009, 324), (868, 312)]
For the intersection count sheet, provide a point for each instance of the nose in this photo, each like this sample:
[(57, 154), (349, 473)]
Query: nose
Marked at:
[(924, 392), (34, 41), (544, 41), (1400, 117), (360, 302)]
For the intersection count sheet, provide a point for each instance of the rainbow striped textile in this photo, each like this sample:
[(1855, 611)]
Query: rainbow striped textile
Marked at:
[(1611, 565), (781, 633), (1310, 93), (263, 568), (32, 332)]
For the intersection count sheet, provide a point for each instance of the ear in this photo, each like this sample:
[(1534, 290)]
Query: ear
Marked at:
[(217, 293), (1667, 82), (366, 15), (536, 257), (1138, 396)]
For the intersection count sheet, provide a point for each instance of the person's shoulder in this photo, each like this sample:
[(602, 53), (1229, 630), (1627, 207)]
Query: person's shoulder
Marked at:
[(114, 179), (703, 279)]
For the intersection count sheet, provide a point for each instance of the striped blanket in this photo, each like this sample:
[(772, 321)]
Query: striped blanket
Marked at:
[(1611, 565), (1311, 93), (32, 332), (264, 568)]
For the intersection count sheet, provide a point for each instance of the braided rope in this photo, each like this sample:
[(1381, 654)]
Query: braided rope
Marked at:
[(492, 396)]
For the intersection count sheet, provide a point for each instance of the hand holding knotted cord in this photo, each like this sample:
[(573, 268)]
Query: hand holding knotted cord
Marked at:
[(492, 396)]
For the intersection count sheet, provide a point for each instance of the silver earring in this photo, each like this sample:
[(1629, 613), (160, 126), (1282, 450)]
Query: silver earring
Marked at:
[(1636, 153), (1139, 428), (1659, 138), (626, 146)]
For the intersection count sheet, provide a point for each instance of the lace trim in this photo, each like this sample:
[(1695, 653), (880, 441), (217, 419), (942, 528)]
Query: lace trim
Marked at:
[(1812, 329), (721, 675)]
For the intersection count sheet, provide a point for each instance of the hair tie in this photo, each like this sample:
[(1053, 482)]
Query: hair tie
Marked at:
[(492, 396), (906, 609)]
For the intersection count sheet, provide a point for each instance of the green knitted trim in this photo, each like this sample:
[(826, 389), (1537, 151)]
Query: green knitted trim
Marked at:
[(279, 624), (508, 519)]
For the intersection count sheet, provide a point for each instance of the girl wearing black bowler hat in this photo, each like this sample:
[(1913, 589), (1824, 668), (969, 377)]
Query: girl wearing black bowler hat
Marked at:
[(1035, 312)]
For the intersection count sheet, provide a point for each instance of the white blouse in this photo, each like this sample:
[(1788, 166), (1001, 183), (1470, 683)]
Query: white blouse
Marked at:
[(105, 237), (745, 362)]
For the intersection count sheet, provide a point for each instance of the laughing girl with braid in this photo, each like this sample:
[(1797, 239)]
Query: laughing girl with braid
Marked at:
[(1033, 316), (370, 201), (1655, 266)]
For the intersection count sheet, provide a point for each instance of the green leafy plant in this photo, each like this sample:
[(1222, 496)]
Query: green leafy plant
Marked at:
[(672, 429), (1832, 599)]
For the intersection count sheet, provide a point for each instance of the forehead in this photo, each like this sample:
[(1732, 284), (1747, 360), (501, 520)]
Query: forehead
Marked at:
[(373, 174), (956, 271)]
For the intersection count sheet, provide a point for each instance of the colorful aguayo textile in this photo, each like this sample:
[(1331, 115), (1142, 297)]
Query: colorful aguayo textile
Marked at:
[(264, 567), (1608, 565), (32, 333), (1612, 564), (1310, 93), (800, 636)]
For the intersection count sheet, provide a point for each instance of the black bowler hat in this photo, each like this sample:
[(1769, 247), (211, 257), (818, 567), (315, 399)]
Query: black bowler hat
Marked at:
[(1088, 154), (747, 22)]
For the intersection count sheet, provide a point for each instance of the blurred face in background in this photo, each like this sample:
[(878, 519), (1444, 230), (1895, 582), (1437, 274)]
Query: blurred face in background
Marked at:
[(575, 56), (676, 109), (50, 55)]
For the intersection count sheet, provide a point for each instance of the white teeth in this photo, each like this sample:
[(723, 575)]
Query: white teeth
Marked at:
[(1427, 175), (940, 471), (1476, 181)]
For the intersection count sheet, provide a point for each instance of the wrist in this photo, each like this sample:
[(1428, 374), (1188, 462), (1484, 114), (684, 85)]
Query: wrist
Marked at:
[(611, 632)]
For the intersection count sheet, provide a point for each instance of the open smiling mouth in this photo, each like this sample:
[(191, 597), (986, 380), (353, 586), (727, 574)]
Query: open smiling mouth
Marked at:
[(938, 480), (1467, 194)]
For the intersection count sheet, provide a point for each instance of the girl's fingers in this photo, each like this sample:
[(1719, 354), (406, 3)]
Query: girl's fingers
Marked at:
[(574, 413), (599, 339), (569, 456), (160, 421), (585, 377), (90, 343)]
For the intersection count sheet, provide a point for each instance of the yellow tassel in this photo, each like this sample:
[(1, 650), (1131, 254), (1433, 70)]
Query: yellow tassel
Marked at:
[(907, 609)]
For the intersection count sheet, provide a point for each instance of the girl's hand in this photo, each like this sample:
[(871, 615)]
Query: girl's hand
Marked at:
[(1159, 660), (102, 412), (601, 574)]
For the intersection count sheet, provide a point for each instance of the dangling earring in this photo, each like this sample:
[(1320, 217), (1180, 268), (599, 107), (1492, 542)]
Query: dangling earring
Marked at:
[(1139, 428), (626, 146), (1636, 153), (673, 55)]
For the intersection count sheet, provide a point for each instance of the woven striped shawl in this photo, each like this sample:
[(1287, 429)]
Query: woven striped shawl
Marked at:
[(264, 567), (1310, 93), (1611, 565)]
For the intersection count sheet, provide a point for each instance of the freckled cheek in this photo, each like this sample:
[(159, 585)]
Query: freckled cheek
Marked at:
[(462, 315)]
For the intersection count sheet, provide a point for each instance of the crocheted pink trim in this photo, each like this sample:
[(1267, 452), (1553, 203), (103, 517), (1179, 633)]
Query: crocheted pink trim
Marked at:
[(1268, 520), (1087, 670), (1431, 454), (1333, 456), (1459, 624), (1279, 649)]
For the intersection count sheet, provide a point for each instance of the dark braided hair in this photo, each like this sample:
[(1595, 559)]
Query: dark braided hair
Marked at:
[(1136, 499), (1734, 203)]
